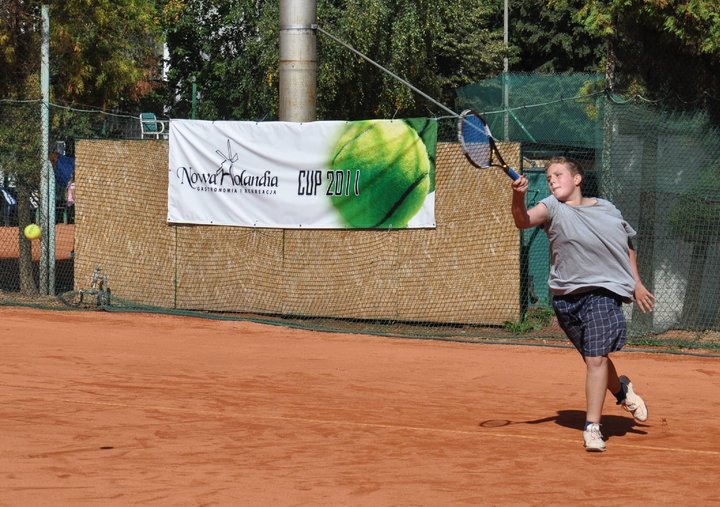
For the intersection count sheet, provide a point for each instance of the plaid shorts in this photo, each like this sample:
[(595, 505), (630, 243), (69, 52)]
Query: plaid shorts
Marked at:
[(593, 321)]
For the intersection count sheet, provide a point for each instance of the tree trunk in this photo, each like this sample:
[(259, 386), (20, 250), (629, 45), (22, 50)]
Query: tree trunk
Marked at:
[(610, 63), (28, 285)]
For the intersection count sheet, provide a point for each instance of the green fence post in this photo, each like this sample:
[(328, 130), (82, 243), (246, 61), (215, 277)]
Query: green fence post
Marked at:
[(534, 248)]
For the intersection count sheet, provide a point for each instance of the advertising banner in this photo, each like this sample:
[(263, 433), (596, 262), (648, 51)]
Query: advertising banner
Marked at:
[(369, 174)]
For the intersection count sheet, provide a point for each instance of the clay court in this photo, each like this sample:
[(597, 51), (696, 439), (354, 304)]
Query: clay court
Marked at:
[(128, 409)]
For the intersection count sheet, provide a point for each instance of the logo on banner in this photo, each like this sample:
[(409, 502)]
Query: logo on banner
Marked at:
[(227, 179)]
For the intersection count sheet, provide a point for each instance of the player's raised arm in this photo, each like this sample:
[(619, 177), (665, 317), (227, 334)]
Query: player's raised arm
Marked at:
[(523, 217)]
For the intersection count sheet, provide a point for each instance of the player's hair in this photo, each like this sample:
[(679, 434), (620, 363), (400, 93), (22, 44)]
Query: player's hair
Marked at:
[(573, 166)]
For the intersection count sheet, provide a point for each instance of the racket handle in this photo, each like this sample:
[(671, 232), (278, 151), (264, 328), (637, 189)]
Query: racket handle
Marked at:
[(511, 172)]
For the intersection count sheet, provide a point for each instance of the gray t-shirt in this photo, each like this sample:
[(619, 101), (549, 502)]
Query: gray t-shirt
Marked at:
[(589, 248)]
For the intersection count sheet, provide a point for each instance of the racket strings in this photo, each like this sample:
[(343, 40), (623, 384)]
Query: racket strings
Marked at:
[(476, 140)]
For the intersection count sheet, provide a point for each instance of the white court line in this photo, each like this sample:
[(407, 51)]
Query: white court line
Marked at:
[(508, 436)]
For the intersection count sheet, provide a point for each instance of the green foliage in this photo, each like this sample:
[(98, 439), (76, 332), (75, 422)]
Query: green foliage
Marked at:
[(437, 46), (662, 49), (553, 39), (102, 54), (99, 56), (232, 51), (20, 142), (105, 55), (19, 47), (535, 319)]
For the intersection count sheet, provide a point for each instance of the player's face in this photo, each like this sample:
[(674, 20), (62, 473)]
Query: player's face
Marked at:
[(564, 185)]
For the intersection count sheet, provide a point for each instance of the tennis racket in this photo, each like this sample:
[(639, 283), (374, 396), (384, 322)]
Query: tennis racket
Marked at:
[(478, 144)]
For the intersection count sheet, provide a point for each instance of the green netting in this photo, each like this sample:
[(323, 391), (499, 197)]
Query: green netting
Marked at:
[(659, 166), (554, 110)]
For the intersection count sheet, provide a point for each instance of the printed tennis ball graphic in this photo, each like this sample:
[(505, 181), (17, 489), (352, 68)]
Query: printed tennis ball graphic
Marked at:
[(32, 231), (389, 169)]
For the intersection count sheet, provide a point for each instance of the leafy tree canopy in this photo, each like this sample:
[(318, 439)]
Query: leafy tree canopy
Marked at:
[(551, 38), (106, 53), (666, 50), (231, 48), (103, 53)]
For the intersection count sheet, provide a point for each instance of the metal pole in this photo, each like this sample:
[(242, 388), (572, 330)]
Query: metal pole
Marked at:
[(194, 98), (506, 69), (47, 174), (298, 60)]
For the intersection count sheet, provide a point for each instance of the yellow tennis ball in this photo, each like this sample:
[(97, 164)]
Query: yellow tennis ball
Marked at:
[(389, 166), (32, 231)]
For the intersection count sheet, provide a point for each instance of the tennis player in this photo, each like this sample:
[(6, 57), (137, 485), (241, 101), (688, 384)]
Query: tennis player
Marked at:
[(593, 272)]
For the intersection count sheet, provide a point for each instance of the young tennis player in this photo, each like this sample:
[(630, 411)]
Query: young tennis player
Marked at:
[(593, 271)]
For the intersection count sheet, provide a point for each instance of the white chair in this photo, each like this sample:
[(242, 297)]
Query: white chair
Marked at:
[(150, 126)]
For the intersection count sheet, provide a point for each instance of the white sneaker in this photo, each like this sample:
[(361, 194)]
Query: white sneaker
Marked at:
[(593, 438), (633, 403)]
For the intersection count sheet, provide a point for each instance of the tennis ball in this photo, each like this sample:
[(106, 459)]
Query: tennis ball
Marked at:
[(390, 171), (32, 231)]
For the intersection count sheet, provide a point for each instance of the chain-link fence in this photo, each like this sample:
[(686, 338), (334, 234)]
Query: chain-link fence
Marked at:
[(661, 168), (25, 269), (659, 165)]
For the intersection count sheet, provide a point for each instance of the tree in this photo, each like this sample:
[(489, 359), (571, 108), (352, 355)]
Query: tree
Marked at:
[(436, 46), (667, 50), (551, 39), (20, 155), (231, 48), (102, 56)]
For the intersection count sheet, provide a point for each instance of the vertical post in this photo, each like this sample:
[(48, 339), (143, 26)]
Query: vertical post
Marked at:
[(47, 174), (194, 98), (506, 69), (298, 60)]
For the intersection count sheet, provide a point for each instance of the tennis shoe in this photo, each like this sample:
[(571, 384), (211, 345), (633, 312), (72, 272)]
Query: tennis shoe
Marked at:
[(633, 403), (593, 438)]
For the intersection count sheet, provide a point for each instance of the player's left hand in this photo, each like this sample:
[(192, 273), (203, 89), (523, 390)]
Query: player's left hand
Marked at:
[(644, 298)]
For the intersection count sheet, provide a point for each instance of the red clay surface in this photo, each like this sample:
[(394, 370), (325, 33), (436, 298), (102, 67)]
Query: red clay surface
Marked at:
[(129, 409), (64, 242)]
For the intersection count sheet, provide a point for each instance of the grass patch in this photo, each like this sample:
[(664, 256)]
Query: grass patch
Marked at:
[(535, 319)]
